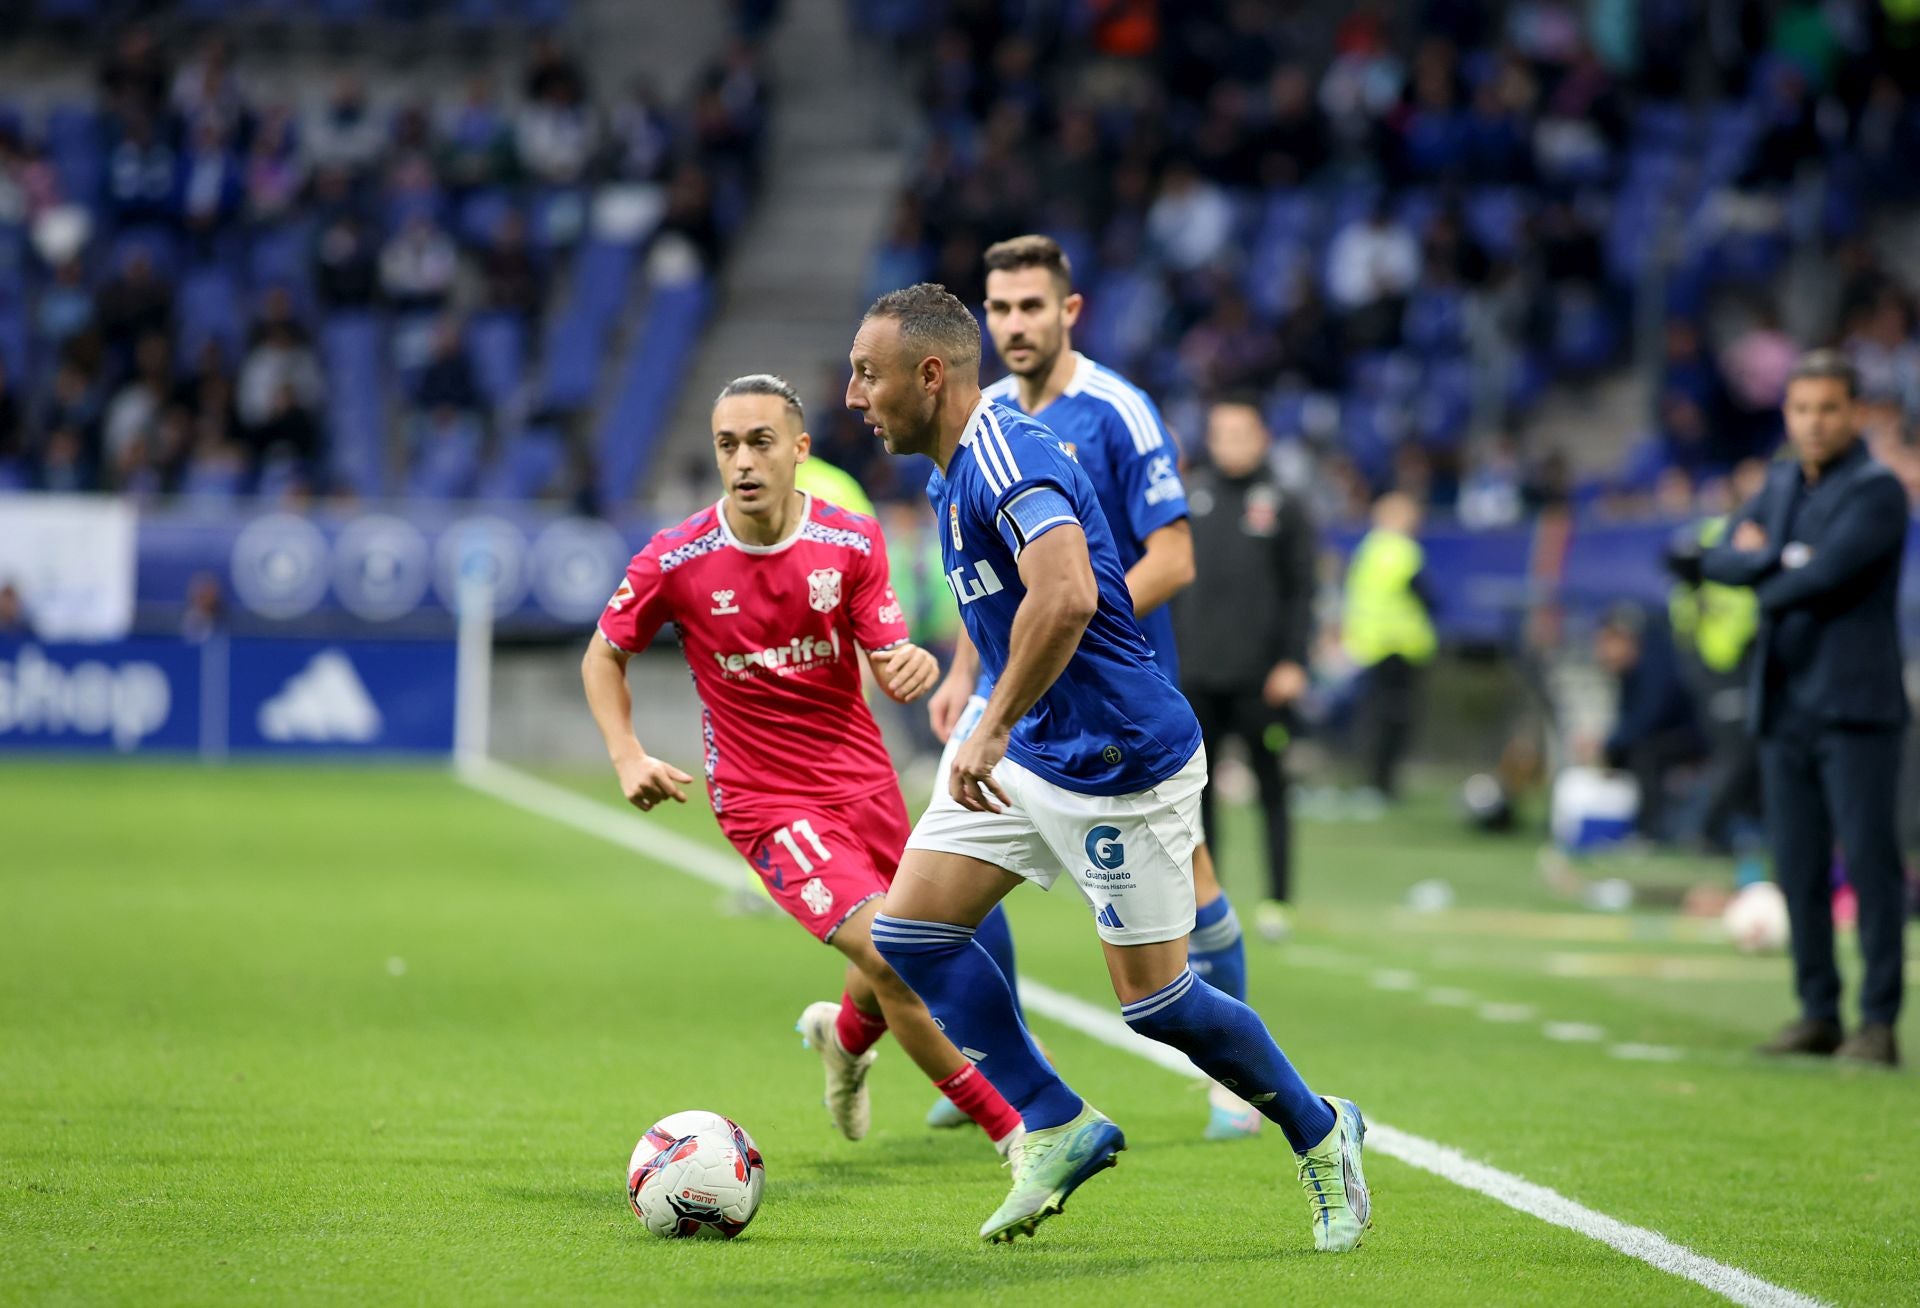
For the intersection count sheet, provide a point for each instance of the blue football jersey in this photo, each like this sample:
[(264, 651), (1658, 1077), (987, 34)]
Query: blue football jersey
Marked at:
[(1115, 432), (1113, 722)]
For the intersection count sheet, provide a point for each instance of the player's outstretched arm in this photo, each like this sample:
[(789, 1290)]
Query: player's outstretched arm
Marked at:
[(644, 780), (1164, 570), (1062, 597), (904, 672), (950, 700)]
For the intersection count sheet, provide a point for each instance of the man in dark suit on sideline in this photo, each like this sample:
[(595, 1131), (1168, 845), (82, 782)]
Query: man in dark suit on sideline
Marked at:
[(1821, 546)]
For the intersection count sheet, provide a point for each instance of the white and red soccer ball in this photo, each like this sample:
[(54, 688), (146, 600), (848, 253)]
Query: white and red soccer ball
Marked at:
[(695, 1174), (1756, 919)]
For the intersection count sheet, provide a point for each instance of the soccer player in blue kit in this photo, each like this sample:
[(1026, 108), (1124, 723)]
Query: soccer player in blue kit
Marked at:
[(1115, 433), (1086, 759)]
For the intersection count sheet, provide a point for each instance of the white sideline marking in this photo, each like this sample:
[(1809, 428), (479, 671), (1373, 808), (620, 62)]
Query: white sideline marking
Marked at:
[(1573, 1032), (1648, 1053), (703, 861)]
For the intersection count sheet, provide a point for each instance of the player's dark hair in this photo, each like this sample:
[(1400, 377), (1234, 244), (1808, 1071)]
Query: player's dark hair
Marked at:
[(1827, 365), (1238, 399), (1032, 251), (932, 322), (763, 383)]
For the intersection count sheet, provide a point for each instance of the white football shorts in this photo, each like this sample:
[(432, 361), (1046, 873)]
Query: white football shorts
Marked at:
[(1130, 855)]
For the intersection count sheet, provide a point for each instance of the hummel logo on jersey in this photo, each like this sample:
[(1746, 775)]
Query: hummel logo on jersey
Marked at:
[(1110, 919), (324, 701), (823, 589), (723, 603), (984, 582)]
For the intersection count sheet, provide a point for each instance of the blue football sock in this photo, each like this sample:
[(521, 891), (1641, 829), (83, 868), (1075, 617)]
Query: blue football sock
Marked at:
[(1215, 951), (1226, 1040), (995, 935), (957, 980)]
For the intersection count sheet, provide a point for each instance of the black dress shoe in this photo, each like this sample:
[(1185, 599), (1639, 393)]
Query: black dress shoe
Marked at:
[(1805, 1036), (1872, 1043)]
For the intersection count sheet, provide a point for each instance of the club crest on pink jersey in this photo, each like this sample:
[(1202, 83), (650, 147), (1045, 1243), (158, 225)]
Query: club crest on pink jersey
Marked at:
[(816, 896), (823, 589)]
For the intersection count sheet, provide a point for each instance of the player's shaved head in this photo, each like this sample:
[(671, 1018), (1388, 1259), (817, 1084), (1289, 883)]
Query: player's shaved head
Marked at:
[(915, 365), (933, 324)]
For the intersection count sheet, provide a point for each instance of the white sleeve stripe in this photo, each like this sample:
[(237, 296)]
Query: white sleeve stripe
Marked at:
[(996, 477), (1132, 410), (999, 440)]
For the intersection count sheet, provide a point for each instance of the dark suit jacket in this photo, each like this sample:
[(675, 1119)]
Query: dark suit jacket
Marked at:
[(1829, 635)]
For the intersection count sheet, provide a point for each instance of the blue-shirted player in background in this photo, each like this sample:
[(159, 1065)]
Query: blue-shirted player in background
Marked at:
[(1086, 758), (1115, 432)]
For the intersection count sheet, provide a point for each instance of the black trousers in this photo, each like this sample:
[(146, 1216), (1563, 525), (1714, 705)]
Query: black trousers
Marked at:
[(1392, 699), (1245, 714), (1819, 783), (1650, 760)]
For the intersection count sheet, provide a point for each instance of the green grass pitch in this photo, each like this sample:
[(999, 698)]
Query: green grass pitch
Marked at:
[(313, 1036)]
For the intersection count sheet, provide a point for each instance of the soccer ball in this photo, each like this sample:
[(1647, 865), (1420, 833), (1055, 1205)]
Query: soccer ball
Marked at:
[(695, 1174), (1756, 919)]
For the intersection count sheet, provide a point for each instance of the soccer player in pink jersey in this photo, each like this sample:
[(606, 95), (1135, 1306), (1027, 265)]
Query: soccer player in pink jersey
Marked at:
[(774, 594)]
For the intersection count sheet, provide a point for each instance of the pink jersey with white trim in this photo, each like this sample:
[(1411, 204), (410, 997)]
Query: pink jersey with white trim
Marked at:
[(770, 633)]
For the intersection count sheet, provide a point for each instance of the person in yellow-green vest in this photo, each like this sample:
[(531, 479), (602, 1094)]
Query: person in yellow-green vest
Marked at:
[(1714, 626), (1387, 628), (815, 476)]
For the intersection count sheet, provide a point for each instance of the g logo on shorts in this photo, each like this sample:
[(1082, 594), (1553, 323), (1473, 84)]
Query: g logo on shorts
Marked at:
[(1104, 847)]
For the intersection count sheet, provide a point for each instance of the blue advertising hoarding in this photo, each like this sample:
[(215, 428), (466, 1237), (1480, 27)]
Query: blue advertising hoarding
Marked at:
[(244, 694)]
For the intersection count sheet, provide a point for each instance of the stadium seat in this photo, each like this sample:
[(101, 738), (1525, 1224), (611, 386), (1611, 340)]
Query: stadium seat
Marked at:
[(209, 309), (527, 465), (447, 461), (649, 380), (496, 343), (350, 350)]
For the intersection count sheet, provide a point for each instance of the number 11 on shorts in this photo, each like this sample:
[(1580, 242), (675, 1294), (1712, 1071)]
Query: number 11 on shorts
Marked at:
[(805, 827)]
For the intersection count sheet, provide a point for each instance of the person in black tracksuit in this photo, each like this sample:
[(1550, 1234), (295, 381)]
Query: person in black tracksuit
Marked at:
[(1245, 624), (1821, 545)]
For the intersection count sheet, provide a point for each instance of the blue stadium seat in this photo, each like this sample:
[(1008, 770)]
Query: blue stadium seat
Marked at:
[(77, 152), (1291, 214), (16, 336), (650, 378), (527, 465), (1444, 404), (481, 214), (1497, 215), (350, 350), (496, 342), (1665, 124), (209, 309), (1435, 321), (1584, 338), (279, 256), (572, 363), (15, 262), (446, 463)]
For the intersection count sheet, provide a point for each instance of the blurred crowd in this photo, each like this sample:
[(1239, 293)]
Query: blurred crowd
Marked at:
[(173, 253), (1401, 225)]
